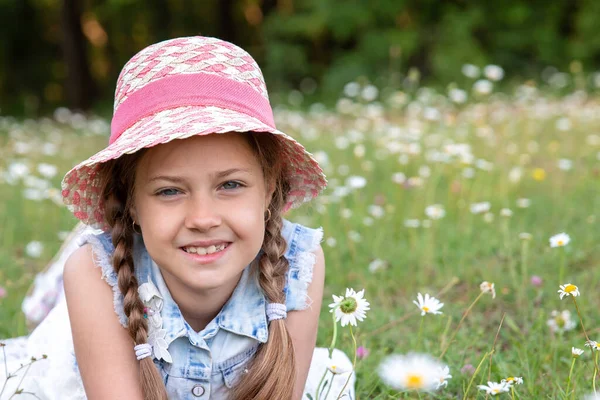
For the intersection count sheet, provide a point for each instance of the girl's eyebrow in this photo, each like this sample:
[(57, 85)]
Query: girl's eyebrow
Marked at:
[(215, 175)]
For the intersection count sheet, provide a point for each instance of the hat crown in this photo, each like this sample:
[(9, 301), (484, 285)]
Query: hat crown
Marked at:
[(188, 55)]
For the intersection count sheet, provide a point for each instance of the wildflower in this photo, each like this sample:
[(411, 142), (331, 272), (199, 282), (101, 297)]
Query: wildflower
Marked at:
[(592, 344), (488, 287), (494, 388), (2, 292), (34, 249), (47, 170), (539, 174), (561, 321), (362, 352), (443, 376), (513, 380), (346, 213), (568, 290), (483, 86), (470, 71), (435, 211), (354, 236), (480, 208), (536, 281), (559, 240), (525, 236), (575, 352), (523, 203), (350, 308), (493, 72), (488, 217), (370, 93), (411, 372), (336, 368), (592, 396), (457, 95), (506, 212), (412, 223), (331, 242), (399, 178), (377, 264), (376, 211), (467, 369), (565, 164), (351, 89), (428, 305), (356, 182)]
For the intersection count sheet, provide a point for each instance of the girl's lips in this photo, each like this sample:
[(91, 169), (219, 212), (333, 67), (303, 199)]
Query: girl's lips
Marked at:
[(206, 258)]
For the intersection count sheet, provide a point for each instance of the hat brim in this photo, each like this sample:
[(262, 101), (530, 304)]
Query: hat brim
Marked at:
[(81, 185)]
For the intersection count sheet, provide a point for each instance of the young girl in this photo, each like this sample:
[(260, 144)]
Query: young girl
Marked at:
[(195, 287)]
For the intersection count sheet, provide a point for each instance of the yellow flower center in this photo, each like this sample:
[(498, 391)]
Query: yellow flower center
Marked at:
[(426, 309), (560, 242), (414, 381), (510, 379), (570, 288), (496, 391), (539, 174), (334, 368)]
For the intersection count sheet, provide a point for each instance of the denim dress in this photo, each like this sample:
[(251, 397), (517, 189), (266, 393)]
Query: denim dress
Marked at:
[(194, 365)]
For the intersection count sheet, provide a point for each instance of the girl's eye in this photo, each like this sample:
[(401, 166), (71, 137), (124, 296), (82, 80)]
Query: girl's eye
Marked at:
[(169, 192), (229, 185)]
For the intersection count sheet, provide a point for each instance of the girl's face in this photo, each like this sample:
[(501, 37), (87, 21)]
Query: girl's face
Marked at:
[(204, 194)]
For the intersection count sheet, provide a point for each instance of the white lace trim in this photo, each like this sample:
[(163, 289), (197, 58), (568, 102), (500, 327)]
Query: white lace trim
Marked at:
[(102, 260), (153, 302), (305, 262)]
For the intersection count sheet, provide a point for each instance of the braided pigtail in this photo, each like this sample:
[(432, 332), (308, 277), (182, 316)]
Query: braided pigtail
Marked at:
[(272, 374), (117, 194)]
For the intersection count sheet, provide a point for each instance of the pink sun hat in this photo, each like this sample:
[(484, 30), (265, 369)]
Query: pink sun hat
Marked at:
[(180, 88)]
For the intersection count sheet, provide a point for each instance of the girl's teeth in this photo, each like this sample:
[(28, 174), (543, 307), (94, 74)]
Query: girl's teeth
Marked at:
[(204, 251)]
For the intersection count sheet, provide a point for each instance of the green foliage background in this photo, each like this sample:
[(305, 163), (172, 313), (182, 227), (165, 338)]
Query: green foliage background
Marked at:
[(330, 41)]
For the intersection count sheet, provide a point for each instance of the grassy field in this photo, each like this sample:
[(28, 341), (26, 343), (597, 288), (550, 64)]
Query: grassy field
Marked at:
[(495, 167)]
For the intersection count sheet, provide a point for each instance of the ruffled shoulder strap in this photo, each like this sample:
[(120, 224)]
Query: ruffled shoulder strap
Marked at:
[(302, 242), (103, 250)]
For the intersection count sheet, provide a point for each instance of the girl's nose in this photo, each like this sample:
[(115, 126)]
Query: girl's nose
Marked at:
[(202, 214)]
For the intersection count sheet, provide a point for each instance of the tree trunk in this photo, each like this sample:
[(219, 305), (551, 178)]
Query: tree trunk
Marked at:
[(79, 84)]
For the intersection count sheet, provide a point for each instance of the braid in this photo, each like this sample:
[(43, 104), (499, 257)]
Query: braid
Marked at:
[(273, 371), (117, 192)]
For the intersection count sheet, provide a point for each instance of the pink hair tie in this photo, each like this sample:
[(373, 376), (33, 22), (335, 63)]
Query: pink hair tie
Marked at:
[(276, 311), (142, 351)]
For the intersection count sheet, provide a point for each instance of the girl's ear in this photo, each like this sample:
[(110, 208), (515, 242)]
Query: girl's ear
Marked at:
[(269, 194), (133, 215)]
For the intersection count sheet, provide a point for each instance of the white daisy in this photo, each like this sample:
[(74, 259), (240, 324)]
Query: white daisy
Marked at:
[(435, 211), (568, 290), (592, 344), (350, 308), (488, 287), (513, 380), (494, 388), (443, 376), (575, 352), (428, 305), (559, 240), (561, 321), (412, 372)]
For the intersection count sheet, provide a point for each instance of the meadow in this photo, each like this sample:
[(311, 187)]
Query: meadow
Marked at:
[(429, 192)]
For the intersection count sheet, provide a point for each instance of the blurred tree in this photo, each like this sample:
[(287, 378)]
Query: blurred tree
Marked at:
[(79, 85), (71, 51)]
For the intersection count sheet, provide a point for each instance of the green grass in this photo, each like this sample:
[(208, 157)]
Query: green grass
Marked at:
[(454, 255)]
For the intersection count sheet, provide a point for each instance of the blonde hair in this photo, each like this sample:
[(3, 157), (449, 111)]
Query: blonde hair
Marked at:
[(272, 372)]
